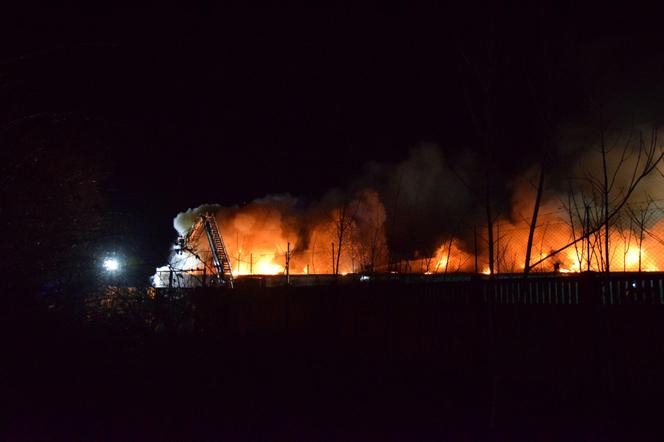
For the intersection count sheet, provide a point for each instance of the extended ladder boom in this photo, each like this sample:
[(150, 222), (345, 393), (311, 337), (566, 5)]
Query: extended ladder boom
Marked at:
[(220, 259)]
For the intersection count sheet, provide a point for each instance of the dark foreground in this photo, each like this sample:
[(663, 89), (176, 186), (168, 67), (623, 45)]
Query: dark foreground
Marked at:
[(369, 362)]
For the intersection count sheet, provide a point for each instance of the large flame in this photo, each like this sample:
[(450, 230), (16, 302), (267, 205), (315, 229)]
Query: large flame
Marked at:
[(437, 224), (259, 237)]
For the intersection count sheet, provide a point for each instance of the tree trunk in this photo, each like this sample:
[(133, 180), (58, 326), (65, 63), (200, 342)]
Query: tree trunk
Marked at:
[(606, 203), (533, 222), (489, 222), (341, 230)]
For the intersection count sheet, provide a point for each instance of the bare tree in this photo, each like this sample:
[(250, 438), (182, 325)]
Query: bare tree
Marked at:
[(626, 235), (482, 113), (343, 223), (449, 254), (533, 221), (641, 218), (573, 213), (605, 193), (427, 264), (647, 158), (585, 214), (376, 245)]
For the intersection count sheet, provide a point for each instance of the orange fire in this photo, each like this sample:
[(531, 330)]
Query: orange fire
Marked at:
[(258, 237)]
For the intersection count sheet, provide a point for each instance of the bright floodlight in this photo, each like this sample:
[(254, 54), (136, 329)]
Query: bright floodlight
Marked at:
[(111, 264)]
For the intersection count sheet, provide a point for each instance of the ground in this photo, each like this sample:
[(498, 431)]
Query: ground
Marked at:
[(504, 373)]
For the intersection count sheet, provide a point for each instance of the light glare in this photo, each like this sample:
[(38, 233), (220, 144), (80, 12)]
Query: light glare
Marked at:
[(111, 264)]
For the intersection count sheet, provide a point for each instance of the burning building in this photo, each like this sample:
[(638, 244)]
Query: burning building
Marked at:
[(419, 216)]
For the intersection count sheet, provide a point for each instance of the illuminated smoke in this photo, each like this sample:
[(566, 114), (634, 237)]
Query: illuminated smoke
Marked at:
[(423, 215)]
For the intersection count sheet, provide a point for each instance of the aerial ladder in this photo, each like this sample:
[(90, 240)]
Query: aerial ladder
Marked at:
[(222, 265)]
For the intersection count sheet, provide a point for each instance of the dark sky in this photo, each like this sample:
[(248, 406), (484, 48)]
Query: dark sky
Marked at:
[(203, 104)]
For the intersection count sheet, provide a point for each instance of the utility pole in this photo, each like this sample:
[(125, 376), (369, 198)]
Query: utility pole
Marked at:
[(475, 245), (288, 264), (251, 263)]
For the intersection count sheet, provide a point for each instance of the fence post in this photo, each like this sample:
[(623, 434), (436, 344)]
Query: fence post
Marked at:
[(590, 289)]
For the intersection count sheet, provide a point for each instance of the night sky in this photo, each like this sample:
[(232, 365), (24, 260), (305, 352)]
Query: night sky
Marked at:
[(195, 104)]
